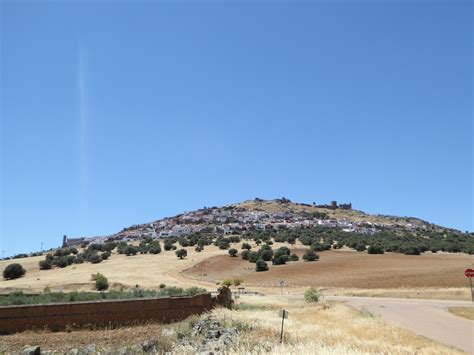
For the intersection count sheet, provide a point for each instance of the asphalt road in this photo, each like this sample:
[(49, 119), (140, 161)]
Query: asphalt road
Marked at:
[(429, 318)]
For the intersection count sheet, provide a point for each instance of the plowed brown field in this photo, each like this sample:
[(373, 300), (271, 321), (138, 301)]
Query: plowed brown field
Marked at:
[(343, 269)]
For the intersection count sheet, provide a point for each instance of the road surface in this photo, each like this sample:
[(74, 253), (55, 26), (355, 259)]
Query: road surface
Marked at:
[(429, 318)]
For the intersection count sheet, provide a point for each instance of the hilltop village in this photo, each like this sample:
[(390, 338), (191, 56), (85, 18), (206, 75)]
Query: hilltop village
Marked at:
[(235, 220)]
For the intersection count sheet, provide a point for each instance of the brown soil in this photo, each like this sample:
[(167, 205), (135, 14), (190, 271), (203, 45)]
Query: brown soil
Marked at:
[(63, 341), (343, 269)]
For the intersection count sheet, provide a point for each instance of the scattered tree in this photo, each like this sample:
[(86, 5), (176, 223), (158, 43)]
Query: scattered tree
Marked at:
[(181, 253), (13, 271), (233, 252), (261, 265)]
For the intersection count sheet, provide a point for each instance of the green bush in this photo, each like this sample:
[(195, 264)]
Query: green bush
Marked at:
[(227, 282), (233, 252), (13, 271), (254, 256), (101, 282), (266, 255), (246, 246), (411, 250), (105, 255), (45, 264), (279, 260), (261, 265), (60, 262), (294, 257), (312, 295), (95, 259), (375, 249), (310, 255), (130, 250), (181, 253), (154, 247), (245, 254), (237, 282), (169, 246), (360, 247), (317, 247)]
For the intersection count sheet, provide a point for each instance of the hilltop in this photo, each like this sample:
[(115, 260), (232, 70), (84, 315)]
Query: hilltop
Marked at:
[(277, 214)]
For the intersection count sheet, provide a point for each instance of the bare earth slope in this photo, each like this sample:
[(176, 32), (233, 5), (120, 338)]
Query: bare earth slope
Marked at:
[(344, 269)]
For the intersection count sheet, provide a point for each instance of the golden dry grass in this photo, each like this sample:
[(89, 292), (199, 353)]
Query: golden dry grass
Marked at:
[(326, 328), (146, 270), (465, 312)]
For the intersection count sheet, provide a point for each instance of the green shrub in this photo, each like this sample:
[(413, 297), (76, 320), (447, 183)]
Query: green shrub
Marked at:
[(375, 249), (95, 259), (294, 257), (266, 254), (279, 260), (261, 265), (45, 264), (245, 254), (360, 247), (317, 247), (13, 271), (130, 250), (237, 282), (105, 255), (71, 259), (181, 253), (283, 251), (254, 256), (246, 246), (154, 247), (312, 295), (411, 250), (310, 255), (227, 282), (233, 252), (169, 246), (101, 282), (60, 262)]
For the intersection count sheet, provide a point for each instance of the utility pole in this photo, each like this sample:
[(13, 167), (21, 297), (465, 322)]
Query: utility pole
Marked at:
[(41, 246)]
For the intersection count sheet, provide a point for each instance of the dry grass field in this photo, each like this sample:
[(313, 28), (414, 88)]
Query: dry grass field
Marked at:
[(312, 328), (465, 312), (340, 272), (147, 271)]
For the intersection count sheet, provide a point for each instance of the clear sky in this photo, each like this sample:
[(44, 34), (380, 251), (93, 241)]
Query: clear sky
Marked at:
[(115, 113)]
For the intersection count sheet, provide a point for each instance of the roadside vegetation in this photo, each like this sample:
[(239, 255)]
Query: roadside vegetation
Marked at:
[(19, 298)]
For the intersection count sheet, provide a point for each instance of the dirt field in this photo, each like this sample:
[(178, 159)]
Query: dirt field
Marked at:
[(344, 269)]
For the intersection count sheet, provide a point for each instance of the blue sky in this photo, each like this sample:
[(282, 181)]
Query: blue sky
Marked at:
[(115, 113)]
